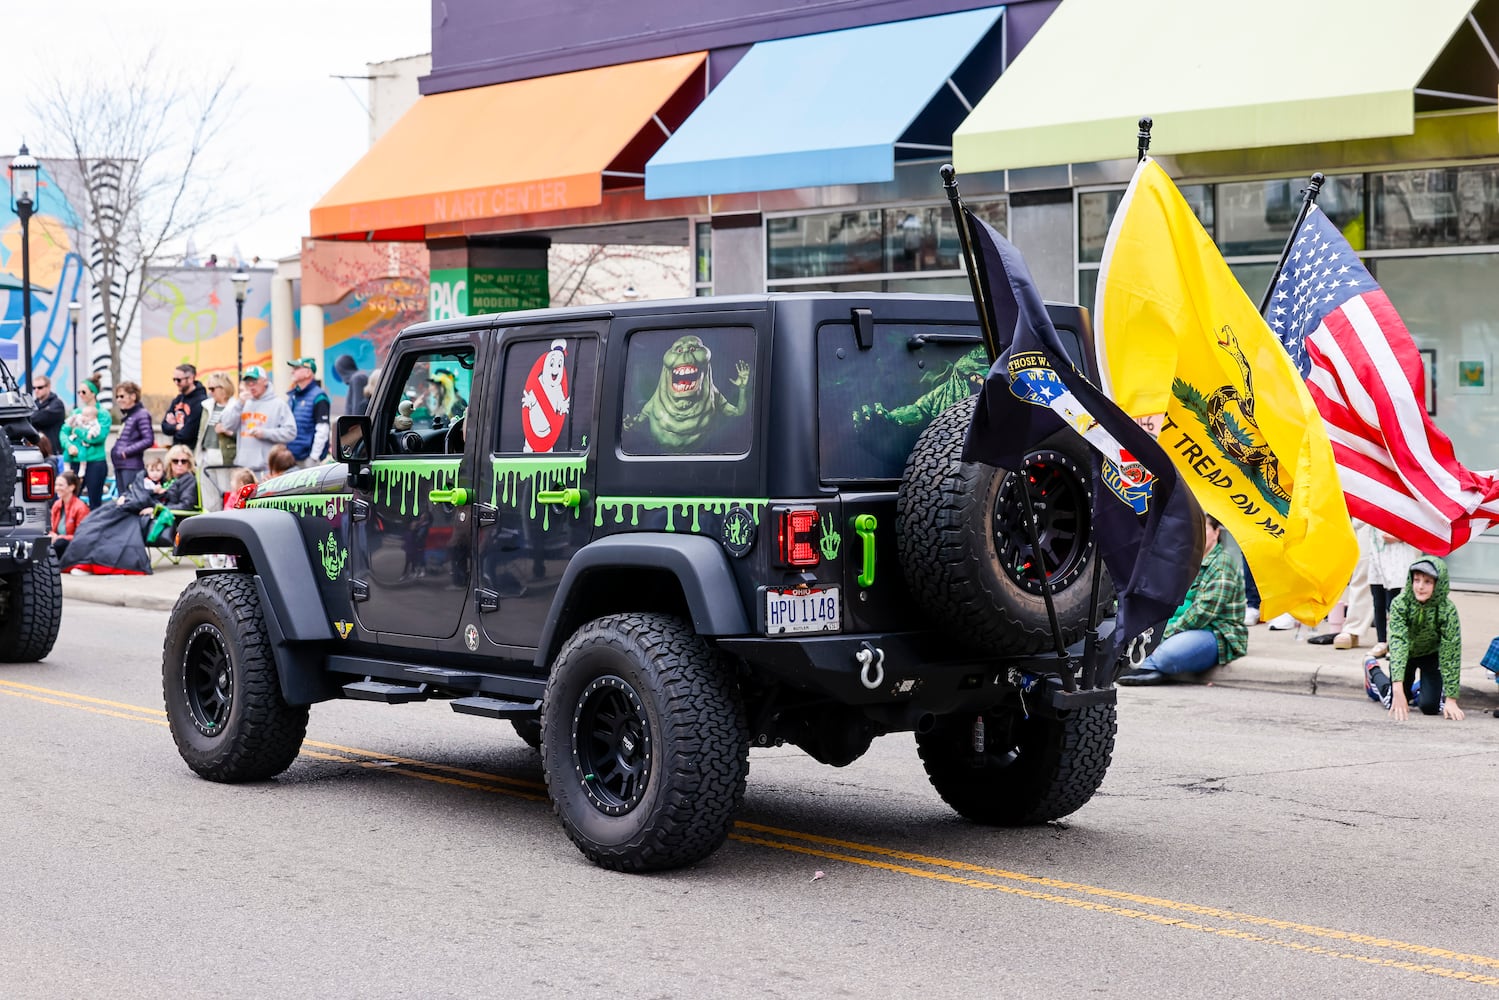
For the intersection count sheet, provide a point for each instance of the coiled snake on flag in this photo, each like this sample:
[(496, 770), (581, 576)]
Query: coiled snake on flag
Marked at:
[(1255, 454)]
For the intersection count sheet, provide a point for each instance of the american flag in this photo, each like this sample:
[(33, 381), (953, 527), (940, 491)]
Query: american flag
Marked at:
[(1398, 470)]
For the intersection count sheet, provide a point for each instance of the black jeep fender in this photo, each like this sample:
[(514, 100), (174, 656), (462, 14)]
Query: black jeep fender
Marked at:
[(296, 623), (698, 563)]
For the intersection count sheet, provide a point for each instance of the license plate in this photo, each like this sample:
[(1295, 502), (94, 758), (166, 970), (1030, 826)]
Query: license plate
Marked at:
[(802, 611)]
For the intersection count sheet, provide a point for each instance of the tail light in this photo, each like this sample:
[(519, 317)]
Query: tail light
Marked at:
[(40, 482), (796, 532)]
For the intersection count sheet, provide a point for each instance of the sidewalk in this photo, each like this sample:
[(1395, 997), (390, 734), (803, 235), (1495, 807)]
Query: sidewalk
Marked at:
[(1277, 661)]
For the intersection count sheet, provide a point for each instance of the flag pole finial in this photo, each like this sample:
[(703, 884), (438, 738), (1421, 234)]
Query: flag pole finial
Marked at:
[(970, 259), (1308, 199), (1142, 138)]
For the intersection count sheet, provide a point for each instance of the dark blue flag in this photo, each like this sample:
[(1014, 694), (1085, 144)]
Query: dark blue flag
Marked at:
[(1147, 525)]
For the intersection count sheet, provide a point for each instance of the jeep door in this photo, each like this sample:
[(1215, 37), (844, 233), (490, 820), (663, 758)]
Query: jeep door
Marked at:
[(536, 490), (411, 537)]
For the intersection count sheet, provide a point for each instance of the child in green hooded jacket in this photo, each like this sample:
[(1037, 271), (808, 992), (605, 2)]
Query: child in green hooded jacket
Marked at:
[(1426, 639)]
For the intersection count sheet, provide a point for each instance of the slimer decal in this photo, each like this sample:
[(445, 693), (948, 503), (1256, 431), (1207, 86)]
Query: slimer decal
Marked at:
[(689, 506), (411, 481), (333, 555)]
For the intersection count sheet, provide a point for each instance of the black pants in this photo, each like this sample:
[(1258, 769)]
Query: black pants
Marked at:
[(94, 474), (1383, 598), (1430, 699)]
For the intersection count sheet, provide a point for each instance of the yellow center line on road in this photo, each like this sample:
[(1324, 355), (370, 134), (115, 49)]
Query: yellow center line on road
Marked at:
[(1130, 897), (1155, 918), (835, 849)]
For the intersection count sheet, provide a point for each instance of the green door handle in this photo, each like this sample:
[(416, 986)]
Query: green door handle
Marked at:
[(864, 526), (567, 498), (458, 496)]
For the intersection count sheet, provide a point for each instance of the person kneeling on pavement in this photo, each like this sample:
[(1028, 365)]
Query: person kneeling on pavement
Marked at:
[(1208, 629), (1426, 638)]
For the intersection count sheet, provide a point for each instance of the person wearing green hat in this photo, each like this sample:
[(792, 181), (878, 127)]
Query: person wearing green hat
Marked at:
[(309, 407), (259, 418), (83, 437)]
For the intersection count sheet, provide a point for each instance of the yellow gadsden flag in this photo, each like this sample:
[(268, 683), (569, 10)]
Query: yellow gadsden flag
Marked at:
[(1178, 340)]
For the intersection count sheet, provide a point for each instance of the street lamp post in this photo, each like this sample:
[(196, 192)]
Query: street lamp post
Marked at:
[(75, 309), (23, 171), (241, 282)]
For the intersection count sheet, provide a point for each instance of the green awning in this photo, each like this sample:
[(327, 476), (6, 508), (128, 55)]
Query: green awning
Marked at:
[(1214, 76)]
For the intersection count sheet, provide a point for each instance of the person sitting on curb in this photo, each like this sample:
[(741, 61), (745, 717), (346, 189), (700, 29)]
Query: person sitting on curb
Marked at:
[(1426, 638), (1208, 629)]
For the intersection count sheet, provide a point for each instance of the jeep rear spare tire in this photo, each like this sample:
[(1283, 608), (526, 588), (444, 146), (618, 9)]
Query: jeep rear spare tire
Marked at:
[(644, 749), (219, 682), (965, 549)]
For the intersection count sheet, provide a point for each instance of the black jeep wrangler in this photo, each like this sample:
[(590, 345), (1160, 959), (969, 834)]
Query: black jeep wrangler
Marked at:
[(30, 589), (656, 534)]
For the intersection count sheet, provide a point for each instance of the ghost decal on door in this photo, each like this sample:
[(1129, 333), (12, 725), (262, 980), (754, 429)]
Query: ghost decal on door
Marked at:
[(545, 402)]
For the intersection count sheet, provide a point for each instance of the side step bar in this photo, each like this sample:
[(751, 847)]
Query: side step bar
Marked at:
[(391, 694), (496, 708)]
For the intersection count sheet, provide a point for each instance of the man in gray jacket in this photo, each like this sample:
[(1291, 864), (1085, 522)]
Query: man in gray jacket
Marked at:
[(259, 419)]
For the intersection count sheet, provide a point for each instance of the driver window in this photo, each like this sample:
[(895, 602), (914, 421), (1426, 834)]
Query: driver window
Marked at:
[(426, 417)]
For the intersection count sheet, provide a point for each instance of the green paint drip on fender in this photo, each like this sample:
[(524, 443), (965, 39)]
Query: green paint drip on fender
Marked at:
[(693, 507)]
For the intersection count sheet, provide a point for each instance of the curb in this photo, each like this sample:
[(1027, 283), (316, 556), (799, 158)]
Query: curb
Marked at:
[(1263, 673), (91, 591)]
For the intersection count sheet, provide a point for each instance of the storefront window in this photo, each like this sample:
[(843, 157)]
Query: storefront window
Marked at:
[(1255, 217), (702, 252), (882, 241), (1095, 213), (1448, 206), (1451, 306)]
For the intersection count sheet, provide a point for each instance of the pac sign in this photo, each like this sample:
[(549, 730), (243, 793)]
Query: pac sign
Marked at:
[(449, 299)]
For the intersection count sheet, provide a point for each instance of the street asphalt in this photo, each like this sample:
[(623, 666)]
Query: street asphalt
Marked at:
[(1277, 660)]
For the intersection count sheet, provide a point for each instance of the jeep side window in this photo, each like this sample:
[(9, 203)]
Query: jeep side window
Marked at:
[(546, 404), (689, 392), (425, 416)]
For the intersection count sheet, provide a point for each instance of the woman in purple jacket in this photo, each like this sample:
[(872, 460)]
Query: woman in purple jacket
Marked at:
[(136, 436)]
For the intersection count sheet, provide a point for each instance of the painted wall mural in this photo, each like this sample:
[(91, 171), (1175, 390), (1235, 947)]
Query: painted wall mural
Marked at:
[(369, 292), (58, 276), (188, 317)]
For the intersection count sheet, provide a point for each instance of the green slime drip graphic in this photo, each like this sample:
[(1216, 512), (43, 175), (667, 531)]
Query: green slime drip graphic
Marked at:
[(693, 505), (542, 473), (407, 477), (330, 505)]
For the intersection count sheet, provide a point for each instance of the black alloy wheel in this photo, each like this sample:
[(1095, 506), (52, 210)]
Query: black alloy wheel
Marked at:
[(612, 745), (207, 679), (1060, 497)]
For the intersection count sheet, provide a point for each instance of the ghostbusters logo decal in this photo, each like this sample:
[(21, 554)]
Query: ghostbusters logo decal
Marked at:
[(545, 401)]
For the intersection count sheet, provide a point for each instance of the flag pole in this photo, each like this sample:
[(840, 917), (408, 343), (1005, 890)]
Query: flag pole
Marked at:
[(1308, 199), (967, 240), (970, 261)]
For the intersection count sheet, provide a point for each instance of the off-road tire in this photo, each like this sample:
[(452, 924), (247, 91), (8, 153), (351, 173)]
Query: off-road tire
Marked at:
[(952, 553), (528, 730), (669, 746), (31, 608), (1041, 769), (218, 679)]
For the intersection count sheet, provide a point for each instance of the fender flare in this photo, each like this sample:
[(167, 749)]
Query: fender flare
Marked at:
[(698, 563), (274, 543)]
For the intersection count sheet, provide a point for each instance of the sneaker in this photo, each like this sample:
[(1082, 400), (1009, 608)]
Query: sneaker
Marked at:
[(1251, 616), (1380, 650), (1281, 623), (1344, 640), (1325, 639), (1142, 678), (1370, 688)]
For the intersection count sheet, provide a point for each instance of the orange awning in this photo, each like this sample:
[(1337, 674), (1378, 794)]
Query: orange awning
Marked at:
[(511, 148)]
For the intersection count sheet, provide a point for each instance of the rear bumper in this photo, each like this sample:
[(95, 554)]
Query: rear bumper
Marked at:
[(916, 669), (18, 553)]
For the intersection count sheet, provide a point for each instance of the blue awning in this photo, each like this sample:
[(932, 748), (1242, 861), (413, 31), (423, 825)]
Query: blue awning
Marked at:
[(835, 108)]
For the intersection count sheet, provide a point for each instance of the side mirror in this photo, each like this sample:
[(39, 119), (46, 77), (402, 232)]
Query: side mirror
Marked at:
[(352, 440), (351, 445)]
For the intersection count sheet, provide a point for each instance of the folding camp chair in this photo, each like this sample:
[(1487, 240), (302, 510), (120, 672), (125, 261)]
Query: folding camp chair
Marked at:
[(164, 526)]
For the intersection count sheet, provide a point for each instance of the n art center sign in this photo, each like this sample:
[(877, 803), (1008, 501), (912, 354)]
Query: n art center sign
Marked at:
[(473, 291)]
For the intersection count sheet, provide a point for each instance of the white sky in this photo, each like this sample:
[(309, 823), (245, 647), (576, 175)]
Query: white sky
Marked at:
[(297, 130)]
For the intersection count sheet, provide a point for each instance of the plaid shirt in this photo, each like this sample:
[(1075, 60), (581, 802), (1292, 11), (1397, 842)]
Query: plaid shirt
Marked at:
[(1215, 603)]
